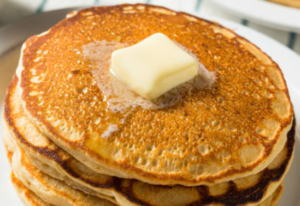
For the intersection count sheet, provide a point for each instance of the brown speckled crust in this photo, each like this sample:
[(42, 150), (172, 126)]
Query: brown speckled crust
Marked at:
[(157, 146), (127, 188)]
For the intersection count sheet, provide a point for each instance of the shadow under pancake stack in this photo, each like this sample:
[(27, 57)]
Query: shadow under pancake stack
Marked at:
[(228, 144)]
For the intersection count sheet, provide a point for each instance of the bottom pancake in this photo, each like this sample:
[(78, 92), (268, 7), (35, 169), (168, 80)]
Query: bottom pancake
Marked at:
[(50, 191), (55, 192), (31, 199), (47, 188), (27, 197), (55, 162), (276, 195)]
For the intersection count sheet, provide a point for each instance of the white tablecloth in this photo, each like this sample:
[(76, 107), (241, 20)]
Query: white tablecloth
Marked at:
[(12, 10)]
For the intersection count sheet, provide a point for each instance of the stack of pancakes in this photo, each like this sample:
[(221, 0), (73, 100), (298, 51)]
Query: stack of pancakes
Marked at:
[(229, 144)]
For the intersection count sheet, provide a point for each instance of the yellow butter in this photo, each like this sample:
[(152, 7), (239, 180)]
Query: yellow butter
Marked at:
[(153, 66)]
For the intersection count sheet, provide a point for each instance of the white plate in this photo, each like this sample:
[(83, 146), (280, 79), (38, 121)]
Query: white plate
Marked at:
[(264, 13), (287, 60)]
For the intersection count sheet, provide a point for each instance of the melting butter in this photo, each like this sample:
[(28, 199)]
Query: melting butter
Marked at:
[(110, 129), (153, 66), (119, 96)]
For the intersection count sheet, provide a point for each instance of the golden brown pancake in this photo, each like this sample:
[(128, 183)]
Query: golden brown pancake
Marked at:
[(50, 190), (291, 3), (209, 136), (277, 195), (29, 198), (52, 160)]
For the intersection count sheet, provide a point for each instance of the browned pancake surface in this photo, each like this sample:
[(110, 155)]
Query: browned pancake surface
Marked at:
[(211, 135)]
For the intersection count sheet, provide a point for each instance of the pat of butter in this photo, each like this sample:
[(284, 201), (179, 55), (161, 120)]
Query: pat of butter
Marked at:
[(153, 66)]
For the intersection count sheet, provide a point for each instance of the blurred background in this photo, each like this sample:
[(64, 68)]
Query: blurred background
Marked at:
[(14, 10)]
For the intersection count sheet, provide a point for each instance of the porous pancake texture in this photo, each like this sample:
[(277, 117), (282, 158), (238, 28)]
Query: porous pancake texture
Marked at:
[(54, 161), (234, 129)]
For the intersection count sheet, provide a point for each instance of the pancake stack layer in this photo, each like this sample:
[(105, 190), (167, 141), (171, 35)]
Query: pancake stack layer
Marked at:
[(72, 141)]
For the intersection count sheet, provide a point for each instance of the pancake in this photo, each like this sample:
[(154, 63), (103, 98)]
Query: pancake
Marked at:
[(209, 136), (291, 3), (50, 190), (52, 160), (29, 198), (277, 195)]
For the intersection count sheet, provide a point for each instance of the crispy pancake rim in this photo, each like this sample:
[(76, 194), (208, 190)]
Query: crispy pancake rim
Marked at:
[(29, 167), (27, 196), (51, 190), (30, 198)]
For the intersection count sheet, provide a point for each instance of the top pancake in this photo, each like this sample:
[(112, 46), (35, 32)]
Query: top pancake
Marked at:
[(231, 130)]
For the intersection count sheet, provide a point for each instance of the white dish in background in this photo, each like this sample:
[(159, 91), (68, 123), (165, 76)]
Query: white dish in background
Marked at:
[(288, 61), (263, 12)]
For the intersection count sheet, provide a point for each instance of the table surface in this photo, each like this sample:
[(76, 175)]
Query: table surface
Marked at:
[(12, 10)]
